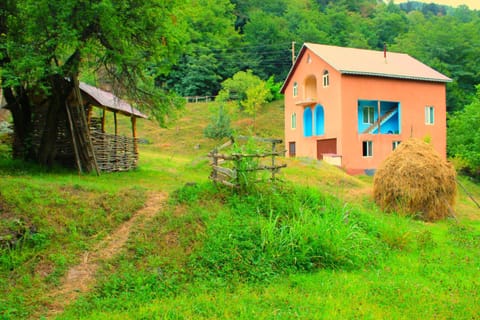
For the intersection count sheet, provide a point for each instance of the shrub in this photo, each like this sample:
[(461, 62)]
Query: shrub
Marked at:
[(283, 229), (219, 127)]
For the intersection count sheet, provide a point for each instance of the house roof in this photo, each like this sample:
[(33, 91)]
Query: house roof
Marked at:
[(108, 100), (370, 63)]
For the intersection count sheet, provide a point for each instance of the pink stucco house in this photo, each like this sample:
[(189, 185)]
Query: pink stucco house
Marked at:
[(352, 107)]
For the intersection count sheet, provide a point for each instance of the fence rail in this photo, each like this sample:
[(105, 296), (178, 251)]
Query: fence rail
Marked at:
[(199, 99), (231, 176)]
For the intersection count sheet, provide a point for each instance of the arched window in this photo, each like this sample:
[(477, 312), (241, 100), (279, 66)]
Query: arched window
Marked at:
[(295, 89), (307, 122), (319, 116), (326, 79), (294, 120)]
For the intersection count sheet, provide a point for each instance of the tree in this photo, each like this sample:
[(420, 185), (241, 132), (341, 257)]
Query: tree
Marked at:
[(464, 136), (211, 55), (251, 91), (235, 88), (257, 95), (388, 23), (268, 45), (448, 45), (43, 42)]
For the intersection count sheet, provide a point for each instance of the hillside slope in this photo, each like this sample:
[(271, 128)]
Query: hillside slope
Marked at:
[(52, 221)]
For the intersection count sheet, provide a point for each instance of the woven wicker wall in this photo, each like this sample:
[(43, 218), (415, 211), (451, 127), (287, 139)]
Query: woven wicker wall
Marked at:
[(113, 153)]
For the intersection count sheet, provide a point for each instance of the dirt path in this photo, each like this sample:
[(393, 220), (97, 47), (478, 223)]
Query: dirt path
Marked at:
[(81, 278)]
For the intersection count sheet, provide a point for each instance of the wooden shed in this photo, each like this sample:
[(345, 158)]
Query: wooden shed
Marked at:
[(113, 152), (81, 128)]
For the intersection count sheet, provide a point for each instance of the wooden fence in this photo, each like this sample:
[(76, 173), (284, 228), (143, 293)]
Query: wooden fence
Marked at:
[(228, 173), (199, 99)]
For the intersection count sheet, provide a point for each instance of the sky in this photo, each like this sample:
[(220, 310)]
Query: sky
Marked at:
[(472, 4)]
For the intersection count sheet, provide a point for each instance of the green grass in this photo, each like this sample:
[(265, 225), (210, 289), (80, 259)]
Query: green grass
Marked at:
[(315, 246), (231, 262)]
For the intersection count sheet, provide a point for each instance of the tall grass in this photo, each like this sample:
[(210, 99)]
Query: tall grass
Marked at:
[(283, 229), (286, 251)]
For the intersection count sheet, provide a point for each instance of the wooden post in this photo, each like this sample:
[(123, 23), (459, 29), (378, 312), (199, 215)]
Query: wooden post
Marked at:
[(103, 120), (115, 142), (89, 114), (115, 121), (82, 132), (74, 140), (273, 160), (215, 164), (134, 134)]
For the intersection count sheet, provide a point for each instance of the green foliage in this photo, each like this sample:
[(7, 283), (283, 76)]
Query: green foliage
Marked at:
[(274, 88), (246, 163), (219, 127), (283, 229), (208, 59), (250, 91), (237, 86), (131, 42), (463, 142), (445, 43)]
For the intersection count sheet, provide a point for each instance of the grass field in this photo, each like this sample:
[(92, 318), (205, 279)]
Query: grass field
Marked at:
[(312, 246)]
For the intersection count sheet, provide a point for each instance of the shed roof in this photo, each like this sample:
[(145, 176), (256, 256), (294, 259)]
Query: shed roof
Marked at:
[(371, 63), (110, 101)]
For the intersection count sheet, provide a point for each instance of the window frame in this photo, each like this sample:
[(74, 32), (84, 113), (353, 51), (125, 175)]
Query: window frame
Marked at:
[(294, 121), (395, 144), (295, 89), (430, 115), (369, 115), (326, 79), (367, 149)]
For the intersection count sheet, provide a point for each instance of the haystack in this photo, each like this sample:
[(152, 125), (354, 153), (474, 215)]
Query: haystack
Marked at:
[(416, 181)]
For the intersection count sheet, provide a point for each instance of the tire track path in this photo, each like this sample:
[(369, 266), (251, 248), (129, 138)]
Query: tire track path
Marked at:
[(81, 278)]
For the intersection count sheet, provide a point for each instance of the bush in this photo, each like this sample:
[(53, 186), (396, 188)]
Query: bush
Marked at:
[(219, 127), (284, 229)]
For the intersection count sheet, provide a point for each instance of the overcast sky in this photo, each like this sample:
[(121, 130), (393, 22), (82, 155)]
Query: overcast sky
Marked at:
[(472, 4)]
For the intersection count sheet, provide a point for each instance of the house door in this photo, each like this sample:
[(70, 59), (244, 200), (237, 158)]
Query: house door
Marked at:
[(326, 146), (292, 152)]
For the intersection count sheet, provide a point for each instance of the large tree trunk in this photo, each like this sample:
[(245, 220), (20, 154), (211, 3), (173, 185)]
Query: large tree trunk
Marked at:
[(19, 105), (56, 108), (22, 104)]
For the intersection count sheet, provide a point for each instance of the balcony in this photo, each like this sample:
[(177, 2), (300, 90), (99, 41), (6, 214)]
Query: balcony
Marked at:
[(306, 102)]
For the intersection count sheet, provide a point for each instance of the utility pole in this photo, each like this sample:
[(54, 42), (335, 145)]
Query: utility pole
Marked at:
[(293, 52)]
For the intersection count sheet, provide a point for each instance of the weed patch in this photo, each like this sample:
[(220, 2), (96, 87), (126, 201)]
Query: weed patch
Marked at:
[(281, 230)]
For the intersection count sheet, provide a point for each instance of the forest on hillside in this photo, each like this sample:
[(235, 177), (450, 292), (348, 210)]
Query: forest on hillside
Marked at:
[(226, 36)]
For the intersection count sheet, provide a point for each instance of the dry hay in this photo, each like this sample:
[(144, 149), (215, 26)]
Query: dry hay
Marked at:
[(414, 180)]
